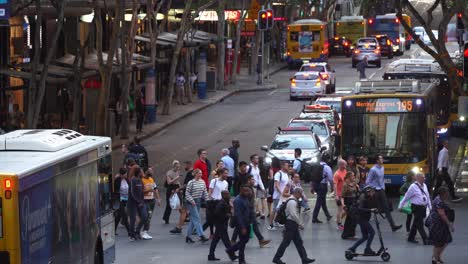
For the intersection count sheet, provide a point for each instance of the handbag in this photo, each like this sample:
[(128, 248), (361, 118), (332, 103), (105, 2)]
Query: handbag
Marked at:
[(406, 209)]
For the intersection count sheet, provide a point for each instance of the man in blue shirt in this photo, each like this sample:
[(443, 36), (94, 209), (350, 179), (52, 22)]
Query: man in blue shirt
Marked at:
[(228, 164), (375, 179), (322, 189), (244, 218)]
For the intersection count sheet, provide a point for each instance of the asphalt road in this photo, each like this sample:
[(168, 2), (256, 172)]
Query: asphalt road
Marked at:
[(253, 118)]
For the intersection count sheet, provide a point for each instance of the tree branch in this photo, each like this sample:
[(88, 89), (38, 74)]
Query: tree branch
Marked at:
[(430, 11)]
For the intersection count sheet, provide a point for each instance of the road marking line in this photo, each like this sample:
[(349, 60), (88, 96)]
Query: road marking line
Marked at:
[(272, 92), (372, 75)]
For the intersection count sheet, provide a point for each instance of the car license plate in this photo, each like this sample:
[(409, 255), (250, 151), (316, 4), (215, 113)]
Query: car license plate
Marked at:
[(306, 93)]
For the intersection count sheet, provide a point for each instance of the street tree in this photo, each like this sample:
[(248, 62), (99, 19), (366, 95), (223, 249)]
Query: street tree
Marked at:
[(372, 8), (105, 67), (438, 50), (37, 87), (185, 23), (240, 24)]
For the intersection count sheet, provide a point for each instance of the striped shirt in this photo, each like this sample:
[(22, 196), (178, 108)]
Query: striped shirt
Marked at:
[(196, 189)]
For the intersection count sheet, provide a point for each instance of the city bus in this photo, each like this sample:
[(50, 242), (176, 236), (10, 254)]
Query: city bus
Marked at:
[(389, 24), (351, 27), (307, 41), (394, 118), (55, 198)]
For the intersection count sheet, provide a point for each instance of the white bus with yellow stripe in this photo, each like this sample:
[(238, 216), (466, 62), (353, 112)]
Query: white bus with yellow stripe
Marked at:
[(55, 198)]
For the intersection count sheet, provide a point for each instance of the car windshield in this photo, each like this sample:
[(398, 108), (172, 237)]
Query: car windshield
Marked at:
[(314, 68), (306, 77), (318, 128), (367, 41), (398, 136), (334, 104), (327, 116), (292, 142)]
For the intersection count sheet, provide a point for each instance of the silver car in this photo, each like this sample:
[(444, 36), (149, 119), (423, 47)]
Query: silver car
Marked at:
[(306, 85), (367, 47)]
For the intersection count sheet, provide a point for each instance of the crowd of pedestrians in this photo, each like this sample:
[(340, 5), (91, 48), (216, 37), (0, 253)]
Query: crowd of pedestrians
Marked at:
[(239, 195)]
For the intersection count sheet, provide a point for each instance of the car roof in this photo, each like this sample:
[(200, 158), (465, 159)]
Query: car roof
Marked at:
[(367, 38), (329, 99), (313, 64), (299, 119)]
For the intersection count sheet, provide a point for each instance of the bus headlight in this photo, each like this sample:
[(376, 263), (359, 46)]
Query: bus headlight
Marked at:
[(416, 169), (462, 118)]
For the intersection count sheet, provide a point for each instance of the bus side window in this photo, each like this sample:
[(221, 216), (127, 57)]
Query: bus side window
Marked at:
[(294, 36), (105, 183)]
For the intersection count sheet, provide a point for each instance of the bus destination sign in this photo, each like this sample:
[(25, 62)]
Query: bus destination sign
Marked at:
[(384, 105)]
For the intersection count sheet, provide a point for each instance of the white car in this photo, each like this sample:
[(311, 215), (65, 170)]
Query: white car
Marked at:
[(420, 31), (306, 85), (327, 74)]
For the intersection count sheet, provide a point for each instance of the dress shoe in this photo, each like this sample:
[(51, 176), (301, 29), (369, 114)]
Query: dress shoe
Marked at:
[(414, 241), (316, 221), (307, 260), (203, 239), (212, 258), (278, 261), (231, 255), (329, 218), (263, 242), (396, 228), (188, 240)]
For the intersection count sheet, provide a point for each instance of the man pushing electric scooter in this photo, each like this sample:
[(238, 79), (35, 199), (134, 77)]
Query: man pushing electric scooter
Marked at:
[(367, 205)]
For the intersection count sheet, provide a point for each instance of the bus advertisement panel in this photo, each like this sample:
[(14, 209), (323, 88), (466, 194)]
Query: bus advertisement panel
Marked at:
[(393, 126), (49, 229), (307, 41)]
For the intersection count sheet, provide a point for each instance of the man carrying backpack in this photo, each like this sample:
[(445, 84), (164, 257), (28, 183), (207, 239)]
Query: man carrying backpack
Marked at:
[(320, 186), (293, 222), (138, 153)]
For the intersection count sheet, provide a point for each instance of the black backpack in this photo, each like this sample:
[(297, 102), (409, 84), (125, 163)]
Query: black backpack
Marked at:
[(306, 171), (316, 173), (281, 216)]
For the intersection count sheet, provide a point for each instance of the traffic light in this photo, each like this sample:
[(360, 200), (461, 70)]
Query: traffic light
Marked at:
[(460, 24), (262, 20), (465, 61), (270, 18)]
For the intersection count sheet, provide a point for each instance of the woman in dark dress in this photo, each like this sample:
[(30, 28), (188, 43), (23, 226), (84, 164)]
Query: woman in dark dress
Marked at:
[(440, 227)]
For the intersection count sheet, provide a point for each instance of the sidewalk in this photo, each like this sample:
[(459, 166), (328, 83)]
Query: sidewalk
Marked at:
[(245, 83)]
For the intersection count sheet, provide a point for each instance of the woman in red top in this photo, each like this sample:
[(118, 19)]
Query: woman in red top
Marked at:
[(338, 181)]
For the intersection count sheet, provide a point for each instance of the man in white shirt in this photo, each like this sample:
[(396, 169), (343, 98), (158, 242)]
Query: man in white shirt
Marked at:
[(281, 179), (259, 187), (292, 226), (442, 173), (218, 185), (228, 164), (297, 160), (420, 200)]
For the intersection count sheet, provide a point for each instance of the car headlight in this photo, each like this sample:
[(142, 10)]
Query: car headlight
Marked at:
[(313, 160), (416, 169), (442, 130)]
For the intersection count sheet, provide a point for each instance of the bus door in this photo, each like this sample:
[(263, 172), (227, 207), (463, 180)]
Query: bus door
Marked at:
[(106, 212), (9, 228)]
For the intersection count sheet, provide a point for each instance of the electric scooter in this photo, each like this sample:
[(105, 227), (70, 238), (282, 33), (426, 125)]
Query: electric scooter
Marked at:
[(382, 252)]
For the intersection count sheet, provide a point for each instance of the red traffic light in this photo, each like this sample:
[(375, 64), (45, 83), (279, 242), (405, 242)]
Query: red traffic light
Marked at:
[(397, 20), (465, 53), (459, 15), (371, 21), (269, 14)]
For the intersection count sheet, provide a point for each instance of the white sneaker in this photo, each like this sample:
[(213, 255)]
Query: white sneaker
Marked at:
[(145, 235), (276, 224), (271, 228)]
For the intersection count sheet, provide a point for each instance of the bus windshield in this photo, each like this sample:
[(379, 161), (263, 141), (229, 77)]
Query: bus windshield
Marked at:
[(399, 137)]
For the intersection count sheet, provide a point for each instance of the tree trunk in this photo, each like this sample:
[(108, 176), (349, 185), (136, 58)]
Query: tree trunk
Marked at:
[(237, 46), (221, 45), (188, 74), (36, 60), (127, 55), (45, 68), (175, 58), (105, 69)]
